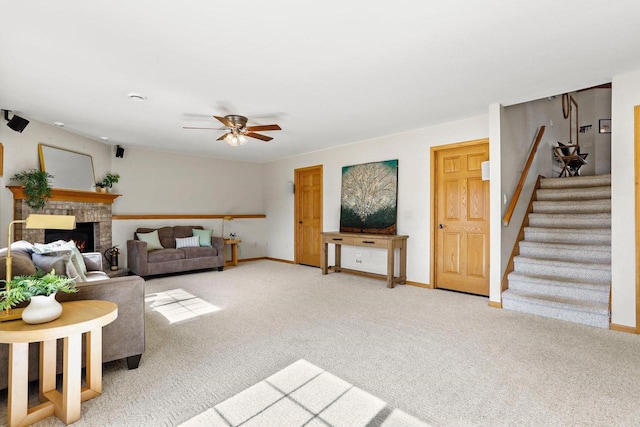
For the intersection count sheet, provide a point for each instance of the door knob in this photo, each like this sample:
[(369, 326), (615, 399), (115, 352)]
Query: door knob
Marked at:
[(440, 226)]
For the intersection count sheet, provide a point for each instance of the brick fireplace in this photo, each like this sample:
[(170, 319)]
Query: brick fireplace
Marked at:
[(86, 206)]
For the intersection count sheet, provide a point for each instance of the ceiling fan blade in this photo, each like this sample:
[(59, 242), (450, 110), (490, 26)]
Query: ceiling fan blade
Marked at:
[(224, 121), (258, 136), (223, 136), (263, 127), (190, 127)]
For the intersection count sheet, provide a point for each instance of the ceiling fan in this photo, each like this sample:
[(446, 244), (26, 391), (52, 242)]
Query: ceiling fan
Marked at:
[(238, 131)]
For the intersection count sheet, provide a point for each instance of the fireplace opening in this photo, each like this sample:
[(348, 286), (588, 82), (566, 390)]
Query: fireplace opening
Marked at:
[(82, 235)]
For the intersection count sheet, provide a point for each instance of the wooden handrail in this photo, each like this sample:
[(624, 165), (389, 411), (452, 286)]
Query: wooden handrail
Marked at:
[(523, 176)]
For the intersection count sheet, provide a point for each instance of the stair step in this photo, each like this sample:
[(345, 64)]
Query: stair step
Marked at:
[(563, 269), (587, 193), (559, 268), (561, 287), (566, 251), (595, 236), (585, 312), (577, 206), (582, 220), (576, 181)]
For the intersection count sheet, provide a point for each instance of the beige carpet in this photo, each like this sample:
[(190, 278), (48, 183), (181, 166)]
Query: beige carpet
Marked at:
[(443, 357)]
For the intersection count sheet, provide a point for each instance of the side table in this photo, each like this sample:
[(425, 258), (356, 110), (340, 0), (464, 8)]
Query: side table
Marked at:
[(234, 251), (121, 272), (77, 318)]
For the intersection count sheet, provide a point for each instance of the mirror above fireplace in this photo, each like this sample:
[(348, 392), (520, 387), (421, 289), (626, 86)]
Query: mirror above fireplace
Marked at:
[(70, 169)]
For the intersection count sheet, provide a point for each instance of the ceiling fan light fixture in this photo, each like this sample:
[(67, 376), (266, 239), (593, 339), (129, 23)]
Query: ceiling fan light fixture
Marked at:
[(232, 140), (242, 139)]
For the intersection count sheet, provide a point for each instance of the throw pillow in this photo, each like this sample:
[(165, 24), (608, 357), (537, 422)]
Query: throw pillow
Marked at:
[(77, 270), (152, 240), (204, 236), (187, 242), (78, 260), (58, 261)]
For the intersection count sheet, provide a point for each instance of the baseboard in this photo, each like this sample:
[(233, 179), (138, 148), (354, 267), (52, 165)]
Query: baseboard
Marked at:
[(251, 259), (495, 304), (276, 259), (419, 285), (623, 328)]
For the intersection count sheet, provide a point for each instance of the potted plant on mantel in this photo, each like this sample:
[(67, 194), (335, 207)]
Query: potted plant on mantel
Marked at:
[(107, 182), (41, 290), (37, 187)]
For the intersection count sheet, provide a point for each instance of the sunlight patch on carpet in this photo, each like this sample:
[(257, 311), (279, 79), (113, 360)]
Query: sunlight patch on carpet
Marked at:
[(303, 395), (177, 305)]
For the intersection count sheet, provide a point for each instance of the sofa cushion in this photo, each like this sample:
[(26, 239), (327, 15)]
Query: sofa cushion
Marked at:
[(199, 252), (187, 242), (151, 239), (163, 255), (204, 236), (21, 265), (185, 230), (93, 276)]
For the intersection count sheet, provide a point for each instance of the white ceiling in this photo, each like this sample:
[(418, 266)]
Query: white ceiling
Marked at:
[(329, 72)]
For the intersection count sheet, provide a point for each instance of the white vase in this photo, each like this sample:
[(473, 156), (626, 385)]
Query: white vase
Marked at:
[(42, 309)]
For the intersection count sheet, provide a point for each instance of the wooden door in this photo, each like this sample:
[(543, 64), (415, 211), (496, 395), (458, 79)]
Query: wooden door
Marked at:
[(308, 215), (462, 219)]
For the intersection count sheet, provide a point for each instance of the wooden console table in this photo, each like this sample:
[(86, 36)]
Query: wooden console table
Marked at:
[(77, 317), (388, 242)]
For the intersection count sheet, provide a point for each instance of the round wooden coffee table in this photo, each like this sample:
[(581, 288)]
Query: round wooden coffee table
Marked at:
[(77, 318)]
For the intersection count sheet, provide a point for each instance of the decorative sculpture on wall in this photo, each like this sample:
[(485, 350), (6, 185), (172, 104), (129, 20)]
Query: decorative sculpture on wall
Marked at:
[(369, 198)]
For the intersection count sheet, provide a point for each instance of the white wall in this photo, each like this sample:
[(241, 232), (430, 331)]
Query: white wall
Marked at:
[(496, 111), (625, 96), (602, 144), (412, 149)]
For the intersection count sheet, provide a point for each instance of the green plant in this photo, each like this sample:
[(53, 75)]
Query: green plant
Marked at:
[(108, 180), (37, 186), (22, 288)]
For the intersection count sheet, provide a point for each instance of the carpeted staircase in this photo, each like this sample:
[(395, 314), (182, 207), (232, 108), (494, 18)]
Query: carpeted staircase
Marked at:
[(564, 267)]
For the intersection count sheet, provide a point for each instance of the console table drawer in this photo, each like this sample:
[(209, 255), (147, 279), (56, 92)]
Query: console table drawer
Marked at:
[(341, 240), (373, 243)]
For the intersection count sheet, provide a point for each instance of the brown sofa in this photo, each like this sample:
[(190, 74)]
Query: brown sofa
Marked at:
[(123, 338), (169, 259)]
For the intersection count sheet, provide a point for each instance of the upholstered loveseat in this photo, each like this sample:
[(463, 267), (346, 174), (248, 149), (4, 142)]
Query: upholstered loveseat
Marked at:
[(123, 338), (145, 258)]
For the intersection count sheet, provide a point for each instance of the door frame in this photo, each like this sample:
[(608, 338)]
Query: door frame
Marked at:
[(434, 202), (636, 132), (296, 203)]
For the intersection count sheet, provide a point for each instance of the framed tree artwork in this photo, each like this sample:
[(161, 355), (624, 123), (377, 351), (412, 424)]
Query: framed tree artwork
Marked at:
[(369, 200)]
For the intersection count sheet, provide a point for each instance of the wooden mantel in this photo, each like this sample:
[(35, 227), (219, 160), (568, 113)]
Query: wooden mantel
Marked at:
[(68, 195)]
